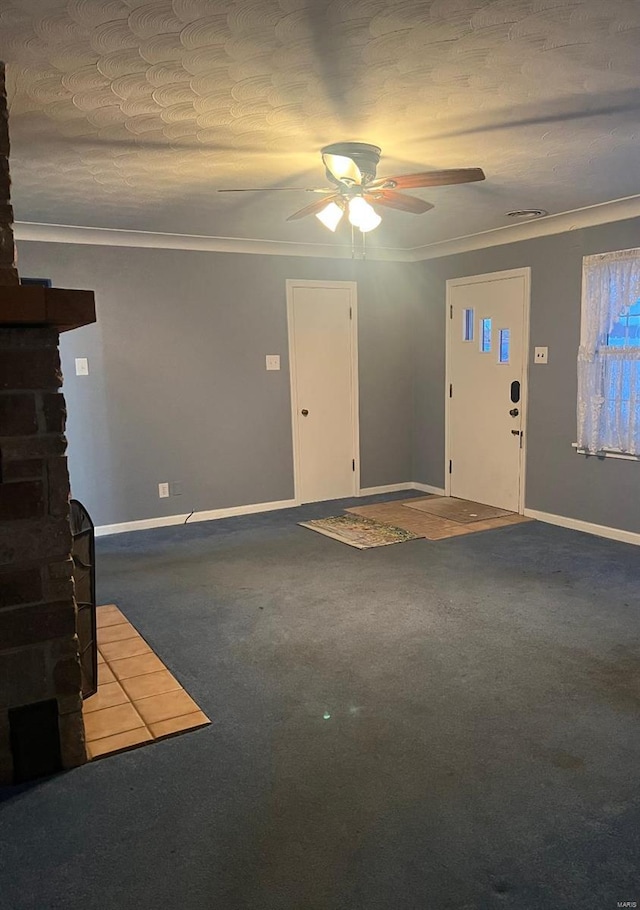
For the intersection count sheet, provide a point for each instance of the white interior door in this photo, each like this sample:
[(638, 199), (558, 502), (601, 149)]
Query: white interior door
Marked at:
[(487, 333), (322, 343)]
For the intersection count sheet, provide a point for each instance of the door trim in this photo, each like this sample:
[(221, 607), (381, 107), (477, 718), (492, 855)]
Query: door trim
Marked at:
[(352, 287), (524, 390)]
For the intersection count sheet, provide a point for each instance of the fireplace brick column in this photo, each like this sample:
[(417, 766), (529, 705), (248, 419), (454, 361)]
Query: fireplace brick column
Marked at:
[(38, 644), (8, 271), (41, 726)]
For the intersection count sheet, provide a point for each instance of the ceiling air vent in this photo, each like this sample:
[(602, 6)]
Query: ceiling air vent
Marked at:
[(526, 214)]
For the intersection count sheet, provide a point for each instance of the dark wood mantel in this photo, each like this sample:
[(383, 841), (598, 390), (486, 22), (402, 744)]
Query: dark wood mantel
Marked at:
[(58, 308)]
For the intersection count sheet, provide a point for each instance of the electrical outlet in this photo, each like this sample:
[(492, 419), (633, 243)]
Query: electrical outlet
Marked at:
[(175, 488), (82, 366), (163, 490), (273, 361), (541, 355)]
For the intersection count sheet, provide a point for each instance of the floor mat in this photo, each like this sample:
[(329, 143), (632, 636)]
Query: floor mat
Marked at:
[(424, 524), (361, 532), (461, 510)]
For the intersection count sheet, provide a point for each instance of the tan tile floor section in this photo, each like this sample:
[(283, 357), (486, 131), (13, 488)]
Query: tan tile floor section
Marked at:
[(427, 525), (138, 701)]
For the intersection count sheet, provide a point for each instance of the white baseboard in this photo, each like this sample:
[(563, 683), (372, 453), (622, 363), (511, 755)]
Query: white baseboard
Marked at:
[(427, 488), (399, 488), (169, 520), (166, 521), (213, 514), (387, 488), (586, 526)]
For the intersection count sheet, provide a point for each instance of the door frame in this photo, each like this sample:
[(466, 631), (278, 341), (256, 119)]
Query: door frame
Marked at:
[(524, 388), (352, 287)]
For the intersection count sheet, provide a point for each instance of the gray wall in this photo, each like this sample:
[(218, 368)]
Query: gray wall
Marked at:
[(603, 491), (178, 390)]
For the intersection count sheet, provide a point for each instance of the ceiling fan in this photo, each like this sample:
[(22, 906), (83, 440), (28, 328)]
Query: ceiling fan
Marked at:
[(351, 168)]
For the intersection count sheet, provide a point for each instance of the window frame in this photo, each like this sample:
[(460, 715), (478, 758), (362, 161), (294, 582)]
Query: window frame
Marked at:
[(604, 353)]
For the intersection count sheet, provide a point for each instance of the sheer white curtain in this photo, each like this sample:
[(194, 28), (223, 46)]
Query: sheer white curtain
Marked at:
[(608, 376)]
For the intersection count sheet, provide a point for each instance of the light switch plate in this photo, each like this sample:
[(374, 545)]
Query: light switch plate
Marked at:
[(541, 355), (82, 366), (273, 361)]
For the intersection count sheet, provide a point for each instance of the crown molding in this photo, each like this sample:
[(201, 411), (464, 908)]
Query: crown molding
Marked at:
[(94, 236), (590, 216)]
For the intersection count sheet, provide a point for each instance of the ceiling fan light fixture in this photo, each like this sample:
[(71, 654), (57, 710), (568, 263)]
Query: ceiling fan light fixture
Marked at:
[(330, 215), (362, 215), (372, 222), (351, 163), (342, 169)]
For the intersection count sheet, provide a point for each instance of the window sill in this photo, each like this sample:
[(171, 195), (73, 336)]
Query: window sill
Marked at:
[(605, 454)]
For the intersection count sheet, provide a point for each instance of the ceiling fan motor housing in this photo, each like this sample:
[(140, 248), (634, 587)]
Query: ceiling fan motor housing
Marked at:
[(365, 156)]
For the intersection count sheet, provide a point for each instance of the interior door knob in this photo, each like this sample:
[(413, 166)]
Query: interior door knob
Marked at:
[(304, 412), (514, 412)]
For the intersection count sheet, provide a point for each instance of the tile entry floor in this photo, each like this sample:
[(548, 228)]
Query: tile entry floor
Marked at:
[(138, 700)]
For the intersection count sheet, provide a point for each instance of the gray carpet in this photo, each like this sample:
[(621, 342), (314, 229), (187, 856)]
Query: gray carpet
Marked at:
[(481, 750)]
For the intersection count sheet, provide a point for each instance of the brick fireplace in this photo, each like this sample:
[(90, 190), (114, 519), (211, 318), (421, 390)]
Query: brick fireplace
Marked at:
[(41, 725)]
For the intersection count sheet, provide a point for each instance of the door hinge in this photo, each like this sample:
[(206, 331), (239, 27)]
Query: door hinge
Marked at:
[(450, 467), (350, 313), (450, 390), (451, 311), (353, 465)]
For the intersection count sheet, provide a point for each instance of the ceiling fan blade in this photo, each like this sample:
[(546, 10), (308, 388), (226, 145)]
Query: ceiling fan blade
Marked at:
[(398, 201), (343, 169), (314, 207), (276, 189), (429, 178)]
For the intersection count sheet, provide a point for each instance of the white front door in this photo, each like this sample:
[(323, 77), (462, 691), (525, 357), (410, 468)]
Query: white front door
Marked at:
[(487, 336), (322, 344)]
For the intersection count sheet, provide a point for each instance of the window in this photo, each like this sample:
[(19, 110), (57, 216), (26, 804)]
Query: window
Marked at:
[(467, 325), (625, 332), (485, 335), (609, 355), (504, 346)]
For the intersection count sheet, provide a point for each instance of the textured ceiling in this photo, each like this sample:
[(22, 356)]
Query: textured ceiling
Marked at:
[(131, 114)]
